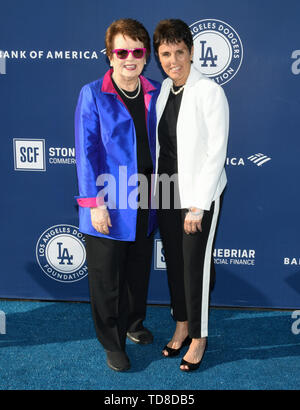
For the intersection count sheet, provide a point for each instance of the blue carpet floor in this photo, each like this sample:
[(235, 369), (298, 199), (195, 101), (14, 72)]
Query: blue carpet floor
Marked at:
[(51, 345)]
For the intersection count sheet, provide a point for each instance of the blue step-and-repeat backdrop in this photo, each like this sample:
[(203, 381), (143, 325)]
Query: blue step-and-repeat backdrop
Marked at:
[(50, 49)]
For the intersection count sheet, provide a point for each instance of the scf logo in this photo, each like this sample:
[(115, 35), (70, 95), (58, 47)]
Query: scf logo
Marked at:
[(29, 154), (2, 323), (296, 323), (159, 255)]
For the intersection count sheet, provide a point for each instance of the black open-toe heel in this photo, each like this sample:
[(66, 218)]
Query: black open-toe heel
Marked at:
[(192, 366), (175, 352)]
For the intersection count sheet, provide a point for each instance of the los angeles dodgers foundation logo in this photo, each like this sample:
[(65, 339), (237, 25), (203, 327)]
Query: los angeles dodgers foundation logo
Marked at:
[(61, 254), (218, 50)]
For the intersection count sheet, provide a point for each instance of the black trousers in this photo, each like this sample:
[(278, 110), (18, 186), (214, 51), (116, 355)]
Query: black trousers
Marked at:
[(190, 267), (118, 280)]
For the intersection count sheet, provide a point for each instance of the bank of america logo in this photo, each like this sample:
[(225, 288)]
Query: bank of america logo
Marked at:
[(259, 159)]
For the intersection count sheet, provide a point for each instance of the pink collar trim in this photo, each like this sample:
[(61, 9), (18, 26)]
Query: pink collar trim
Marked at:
[(107, 85)]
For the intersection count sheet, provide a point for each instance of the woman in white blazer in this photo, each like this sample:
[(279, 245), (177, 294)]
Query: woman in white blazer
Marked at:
[(192, 133)]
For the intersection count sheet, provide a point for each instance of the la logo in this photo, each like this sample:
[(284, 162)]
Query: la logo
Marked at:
[(207, 55), (63, 255)]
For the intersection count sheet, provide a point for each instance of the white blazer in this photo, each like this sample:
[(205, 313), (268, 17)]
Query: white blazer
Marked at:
[(202, 135)]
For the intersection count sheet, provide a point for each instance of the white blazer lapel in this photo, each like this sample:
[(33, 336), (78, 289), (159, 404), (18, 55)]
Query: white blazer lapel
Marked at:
[(162, 98), (160, 106)]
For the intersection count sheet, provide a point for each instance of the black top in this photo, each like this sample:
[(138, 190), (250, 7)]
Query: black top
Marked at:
[(136, 108), (167, 135)]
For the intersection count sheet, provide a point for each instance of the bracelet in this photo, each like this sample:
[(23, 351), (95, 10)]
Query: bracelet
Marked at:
[(196, 213)]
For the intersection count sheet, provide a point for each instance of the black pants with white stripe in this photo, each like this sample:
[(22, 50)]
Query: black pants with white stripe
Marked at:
[(190, 267)]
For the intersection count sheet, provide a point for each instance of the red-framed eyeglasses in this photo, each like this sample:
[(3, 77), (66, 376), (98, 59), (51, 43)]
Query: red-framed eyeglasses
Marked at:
[(123, 53)]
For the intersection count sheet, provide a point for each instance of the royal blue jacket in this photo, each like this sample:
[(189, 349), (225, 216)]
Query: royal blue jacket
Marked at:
[(105, 140)]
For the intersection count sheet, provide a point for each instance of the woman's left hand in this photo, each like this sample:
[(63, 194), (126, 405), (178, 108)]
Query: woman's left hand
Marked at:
[(193, 220)]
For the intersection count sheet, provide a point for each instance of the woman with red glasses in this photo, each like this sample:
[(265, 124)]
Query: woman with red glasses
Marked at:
[(115, 124)]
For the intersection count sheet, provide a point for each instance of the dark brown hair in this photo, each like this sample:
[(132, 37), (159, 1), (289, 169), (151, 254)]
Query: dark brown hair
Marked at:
[(130, 28), (172, 31)]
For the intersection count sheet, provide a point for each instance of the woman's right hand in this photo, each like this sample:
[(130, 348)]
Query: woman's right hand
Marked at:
[(101, 219)]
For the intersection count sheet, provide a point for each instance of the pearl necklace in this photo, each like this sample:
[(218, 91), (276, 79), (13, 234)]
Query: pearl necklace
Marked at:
[(133, 96), (178, 91)]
